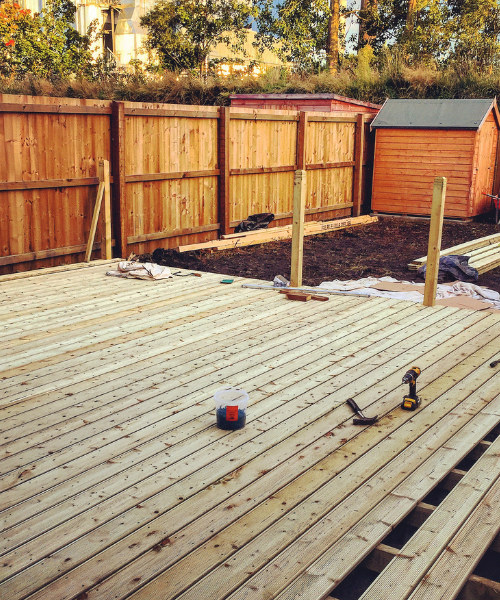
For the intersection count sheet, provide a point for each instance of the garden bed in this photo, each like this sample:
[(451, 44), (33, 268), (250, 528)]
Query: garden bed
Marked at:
[(380, 249)]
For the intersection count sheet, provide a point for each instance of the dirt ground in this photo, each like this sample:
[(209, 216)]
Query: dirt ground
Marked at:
[(379, 249)]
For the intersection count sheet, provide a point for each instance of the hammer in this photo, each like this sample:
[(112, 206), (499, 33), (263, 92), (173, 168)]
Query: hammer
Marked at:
[(363, 420)]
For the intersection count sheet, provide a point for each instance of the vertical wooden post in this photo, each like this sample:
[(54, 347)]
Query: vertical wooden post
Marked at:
[(106, 251), (299, 203), (434, 247), (359, 146), (223, 164), (301, 140), (119, 187), (95, 219)]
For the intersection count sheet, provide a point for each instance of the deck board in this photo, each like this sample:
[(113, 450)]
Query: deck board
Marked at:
[(116, 482)]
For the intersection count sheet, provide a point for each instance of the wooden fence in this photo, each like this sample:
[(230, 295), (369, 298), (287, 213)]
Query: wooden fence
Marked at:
[(179, 174)]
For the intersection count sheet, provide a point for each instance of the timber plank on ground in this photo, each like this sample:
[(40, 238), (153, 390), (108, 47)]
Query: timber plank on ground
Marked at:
[(117, 484)]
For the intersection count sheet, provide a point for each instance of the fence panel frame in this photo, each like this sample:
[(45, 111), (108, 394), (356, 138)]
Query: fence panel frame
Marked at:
[(223, 173)]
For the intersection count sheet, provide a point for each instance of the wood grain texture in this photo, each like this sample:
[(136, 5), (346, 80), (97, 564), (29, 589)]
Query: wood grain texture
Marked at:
[(408, 160), (116, 483), (166, 172)]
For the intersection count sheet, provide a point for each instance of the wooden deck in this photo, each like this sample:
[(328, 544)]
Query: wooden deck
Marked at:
[(116, 483)]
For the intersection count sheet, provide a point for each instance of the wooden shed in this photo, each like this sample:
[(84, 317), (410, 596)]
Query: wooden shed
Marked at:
[(418, 140), (316, 102)]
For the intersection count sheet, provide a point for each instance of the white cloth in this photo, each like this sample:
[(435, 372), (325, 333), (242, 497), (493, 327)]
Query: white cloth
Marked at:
[(138, 270), (363, 287)]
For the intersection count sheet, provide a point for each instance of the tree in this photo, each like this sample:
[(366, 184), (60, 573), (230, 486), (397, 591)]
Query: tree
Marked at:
[(296, 30), (183, 32), (436, 30), (332, 45), (474, 30), (417, 27), (42, 44)]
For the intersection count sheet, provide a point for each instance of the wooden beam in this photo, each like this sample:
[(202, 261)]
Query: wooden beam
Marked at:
[(8, 186), (95, 218), (119, 210), (13, 259), (419, 514), (301, 140), (308, 211), (359, 145), (223, 191), (434, 246), (479, 588), (379, 558), (299, 201), (317, 119), (263, 117), (257, 170), (171, 175), (54, 109), (283, 169), (335, 165), (106, 249), (162, 235), (159, 112), (451, 480)]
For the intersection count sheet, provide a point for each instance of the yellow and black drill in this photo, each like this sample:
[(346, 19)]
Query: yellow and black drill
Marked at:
[(411, 401)]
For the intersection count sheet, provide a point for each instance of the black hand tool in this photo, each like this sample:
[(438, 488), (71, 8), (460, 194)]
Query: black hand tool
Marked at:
[(363, 420), (494, 363)]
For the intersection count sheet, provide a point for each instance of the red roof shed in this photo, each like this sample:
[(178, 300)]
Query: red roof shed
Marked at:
[(317, 102)]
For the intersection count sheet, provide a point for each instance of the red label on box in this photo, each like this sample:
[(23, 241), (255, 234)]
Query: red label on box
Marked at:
[(231, 413)]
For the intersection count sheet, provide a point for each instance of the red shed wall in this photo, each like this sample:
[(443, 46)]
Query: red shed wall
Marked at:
[(357, 108), (408, 160), (320, 105), (312, 104), (484, 166)]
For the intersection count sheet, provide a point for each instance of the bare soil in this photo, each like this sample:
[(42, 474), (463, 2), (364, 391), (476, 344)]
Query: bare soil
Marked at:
[(380, 249)]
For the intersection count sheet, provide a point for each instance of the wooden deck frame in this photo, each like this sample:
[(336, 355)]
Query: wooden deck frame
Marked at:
[(116, 482)]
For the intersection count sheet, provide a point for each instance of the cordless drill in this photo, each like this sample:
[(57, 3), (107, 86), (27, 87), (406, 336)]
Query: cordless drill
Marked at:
[(411, 401)]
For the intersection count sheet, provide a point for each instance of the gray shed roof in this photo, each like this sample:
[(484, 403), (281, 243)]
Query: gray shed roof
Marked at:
[(433, 114)]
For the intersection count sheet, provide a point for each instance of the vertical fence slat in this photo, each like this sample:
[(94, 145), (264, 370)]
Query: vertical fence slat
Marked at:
[(301, 140), (106, 251), (223, 195), (359, 146), (119, 210)]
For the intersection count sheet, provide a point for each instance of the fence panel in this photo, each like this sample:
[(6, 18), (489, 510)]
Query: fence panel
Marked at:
[(48, 177), (171, 175), (180, 174), (330, 162), (262, 158)]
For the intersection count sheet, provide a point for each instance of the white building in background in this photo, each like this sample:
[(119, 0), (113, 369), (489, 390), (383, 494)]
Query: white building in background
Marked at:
[(120, 22)]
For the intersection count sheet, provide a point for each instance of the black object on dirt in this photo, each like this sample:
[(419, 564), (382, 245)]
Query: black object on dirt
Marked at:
[(172, 258), (259, 221), (224, 423), (453, 267)]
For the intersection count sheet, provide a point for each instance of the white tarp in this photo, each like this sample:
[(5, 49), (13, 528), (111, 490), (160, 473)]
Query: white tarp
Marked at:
[(136, 270), (364, 287)]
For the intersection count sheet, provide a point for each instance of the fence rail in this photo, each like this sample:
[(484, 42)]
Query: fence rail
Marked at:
[(179, 174)]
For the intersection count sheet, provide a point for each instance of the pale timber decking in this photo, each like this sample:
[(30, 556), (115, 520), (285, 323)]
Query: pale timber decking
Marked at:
[(116, 482)]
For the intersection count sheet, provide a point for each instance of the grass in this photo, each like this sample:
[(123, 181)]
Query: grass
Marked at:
[(386, 77)]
